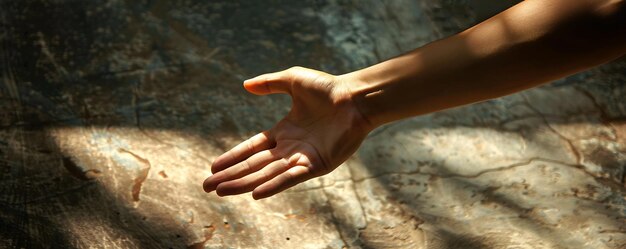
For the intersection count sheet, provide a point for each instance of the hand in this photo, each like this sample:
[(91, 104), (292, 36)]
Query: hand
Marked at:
[(320, 132)]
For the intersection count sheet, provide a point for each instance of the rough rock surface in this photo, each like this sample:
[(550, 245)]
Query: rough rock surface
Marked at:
[(111, 112)]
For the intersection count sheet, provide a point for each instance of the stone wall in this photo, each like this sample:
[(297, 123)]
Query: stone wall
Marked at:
[(113, 110)]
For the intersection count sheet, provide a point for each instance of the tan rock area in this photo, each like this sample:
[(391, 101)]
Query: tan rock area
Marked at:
[(112, 111)]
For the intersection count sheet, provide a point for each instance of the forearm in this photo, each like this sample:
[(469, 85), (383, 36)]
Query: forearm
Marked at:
[(531, 43)]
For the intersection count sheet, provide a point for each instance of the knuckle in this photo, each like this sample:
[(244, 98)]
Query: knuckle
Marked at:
[(277, 152), (289, 176), (267, 134), (246, 165), (295, 68), (265, 176), (250, 145)]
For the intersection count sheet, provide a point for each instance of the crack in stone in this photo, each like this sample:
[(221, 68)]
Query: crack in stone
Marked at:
[(604, 180), (572, 148), (334, 220), (208, 234), (452, 175), (358, 199), (594, 102), (504, 122), (143, 174), (449, 175), (612, 231), (606, 119), (77, 172), (322, 186)]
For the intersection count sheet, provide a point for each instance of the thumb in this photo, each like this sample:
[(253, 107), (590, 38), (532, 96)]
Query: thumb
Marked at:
[(279, 82)]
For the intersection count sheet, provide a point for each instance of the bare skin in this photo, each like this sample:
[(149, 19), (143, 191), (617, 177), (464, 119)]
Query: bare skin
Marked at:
[(532, 43)]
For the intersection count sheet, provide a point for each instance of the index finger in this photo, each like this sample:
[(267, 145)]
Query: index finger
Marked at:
[(242, 151)]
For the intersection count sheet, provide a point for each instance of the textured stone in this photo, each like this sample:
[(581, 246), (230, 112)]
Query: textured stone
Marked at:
[(111, 112)]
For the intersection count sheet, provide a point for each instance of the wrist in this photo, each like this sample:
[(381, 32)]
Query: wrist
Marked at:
[(356, 88), (387, 91)]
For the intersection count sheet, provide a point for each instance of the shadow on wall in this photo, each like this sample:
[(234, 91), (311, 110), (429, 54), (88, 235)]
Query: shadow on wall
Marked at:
[(590, 152), (596, 103), (48, 198), (63, 66)]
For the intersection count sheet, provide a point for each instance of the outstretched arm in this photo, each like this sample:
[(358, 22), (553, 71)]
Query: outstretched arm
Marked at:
[(529, 44)]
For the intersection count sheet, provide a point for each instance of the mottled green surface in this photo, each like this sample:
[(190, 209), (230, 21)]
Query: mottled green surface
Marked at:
[(112, 111)]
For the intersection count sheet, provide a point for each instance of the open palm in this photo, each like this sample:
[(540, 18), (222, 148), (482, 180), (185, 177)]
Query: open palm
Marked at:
[(320, 132)]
